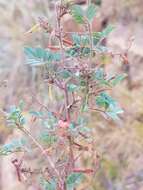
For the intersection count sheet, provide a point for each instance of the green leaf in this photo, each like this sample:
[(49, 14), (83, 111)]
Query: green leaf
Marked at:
[(99, 74), (105, 83), (14, 146), (85, 51), (109, 104), (85, 40), (21, 105), (104, 100), (56, 56), (107, 31), (39, 56), (73, 129), (78, 14), (65, 74), (91, 12), (113, 111), (76, 39), (72, 52), (36, 113), (72, 87), (22, 120), (101, 102), (96, 37), (35, 56), (82, 121), (118, 79), (101, 49), (73, 180), (50, 122), (15, 116), (48, 185), (47, 138)]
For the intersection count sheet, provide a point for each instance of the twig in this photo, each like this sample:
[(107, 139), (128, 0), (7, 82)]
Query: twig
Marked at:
[(17, 166), (42, 150), (67, 104), (58, 12)]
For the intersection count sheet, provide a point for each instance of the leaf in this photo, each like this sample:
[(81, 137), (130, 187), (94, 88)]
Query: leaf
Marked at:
[(73, 180), (101, 102), (34, 28), (85, 40), (85, 51), (36, 113), (76, 39), (15, 116), (14, 146), (21, 105), (73, 52), (118, 79), (47, 138), (56, 56), (82, 121), (48, 185), (65, 74), (73, 129), (91, 12), (113, 111), (105, 83), (22, 120), (72, 87), (99, 74), (96, 37), (35, 56), (104, 100), (78, 14), (84, 106), (101, 49), (107, 31), (49, 123), (39, 56), (110, 105)]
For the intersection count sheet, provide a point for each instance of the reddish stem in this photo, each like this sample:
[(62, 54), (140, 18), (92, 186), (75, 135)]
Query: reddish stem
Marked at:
[(87, 171), (17, 166)]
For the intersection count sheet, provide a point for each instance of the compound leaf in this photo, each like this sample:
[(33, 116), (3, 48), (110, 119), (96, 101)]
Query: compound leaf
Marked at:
[(91, 12), (78, 14)]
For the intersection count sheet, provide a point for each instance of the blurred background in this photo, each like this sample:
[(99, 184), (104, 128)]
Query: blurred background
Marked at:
[(121, 143)]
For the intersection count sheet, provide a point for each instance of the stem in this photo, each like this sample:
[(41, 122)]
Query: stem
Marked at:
[(88, 2), (67, 103), (71, 155), (50, 162), (58, 11), (17, 167), (87, 171), (62, 186), (90, 38)]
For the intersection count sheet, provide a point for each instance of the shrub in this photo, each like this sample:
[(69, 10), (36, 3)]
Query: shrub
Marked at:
[(74, 70)]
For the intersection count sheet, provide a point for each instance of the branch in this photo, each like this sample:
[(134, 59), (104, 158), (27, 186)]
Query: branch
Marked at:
[(42, 150)]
